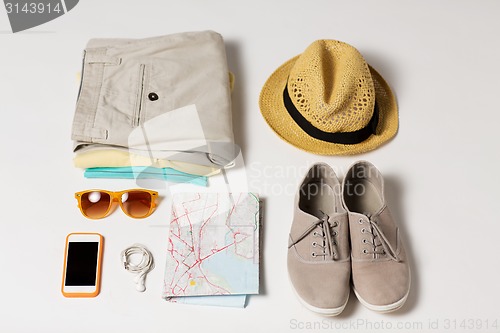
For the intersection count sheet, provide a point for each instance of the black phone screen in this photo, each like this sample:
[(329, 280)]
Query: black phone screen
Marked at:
[(81, 266)]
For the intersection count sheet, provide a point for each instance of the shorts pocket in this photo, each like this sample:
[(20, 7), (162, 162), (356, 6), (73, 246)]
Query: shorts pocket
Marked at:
[(139, 103)]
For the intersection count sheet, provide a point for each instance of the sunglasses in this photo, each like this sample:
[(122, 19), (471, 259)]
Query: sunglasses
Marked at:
[(136, 203)]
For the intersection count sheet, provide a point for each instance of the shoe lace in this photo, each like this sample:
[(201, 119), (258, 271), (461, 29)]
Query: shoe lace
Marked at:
[(328, 237), (378, 240)]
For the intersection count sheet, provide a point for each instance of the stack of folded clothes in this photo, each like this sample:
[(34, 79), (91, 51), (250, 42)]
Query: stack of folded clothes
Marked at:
[(155, 108)]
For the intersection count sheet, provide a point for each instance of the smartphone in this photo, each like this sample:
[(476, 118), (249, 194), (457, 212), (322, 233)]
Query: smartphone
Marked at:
[(82, 265)]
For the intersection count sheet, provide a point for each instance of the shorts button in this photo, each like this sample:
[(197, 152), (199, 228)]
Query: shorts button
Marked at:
[(153, 96)]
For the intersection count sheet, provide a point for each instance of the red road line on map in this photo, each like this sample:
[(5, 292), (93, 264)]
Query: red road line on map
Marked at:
[(200, 233)]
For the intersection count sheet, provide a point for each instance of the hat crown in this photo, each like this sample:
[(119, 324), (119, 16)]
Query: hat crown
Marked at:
[(331, 85)]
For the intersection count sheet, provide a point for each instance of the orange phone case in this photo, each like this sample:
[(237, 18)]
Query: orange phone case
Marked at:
[(99, 264)]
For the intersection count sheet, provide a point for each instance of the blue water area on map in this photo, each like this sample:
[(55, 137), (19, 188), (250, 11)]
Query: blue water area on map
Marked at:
[(241, 274)]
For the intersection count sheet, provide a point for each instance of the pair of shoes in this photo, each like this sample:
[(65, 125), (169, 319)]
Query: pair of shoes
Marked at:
[(342, 232)]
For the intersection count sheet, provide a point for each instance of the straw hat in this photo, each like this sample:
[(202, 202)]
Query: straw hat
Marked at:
[(329, 101)]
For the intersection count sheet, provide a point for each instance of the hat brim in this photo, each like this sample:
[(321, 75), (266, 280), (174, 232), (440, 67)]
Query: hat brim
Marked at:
[(274, 112)]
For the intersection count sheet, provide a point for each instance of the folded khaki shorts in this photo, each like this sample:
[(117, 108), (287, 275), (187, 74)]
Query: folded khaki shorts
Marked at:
[(164, 97)]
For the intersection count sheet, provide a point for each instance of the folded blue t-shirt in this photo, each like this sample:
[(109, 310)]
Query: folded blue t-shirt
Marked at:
[(145, 172)]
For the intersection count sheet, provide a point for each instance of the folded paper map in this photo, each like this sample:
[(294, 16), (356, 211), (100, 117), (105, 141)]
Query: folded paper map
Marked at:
[(213, 246)]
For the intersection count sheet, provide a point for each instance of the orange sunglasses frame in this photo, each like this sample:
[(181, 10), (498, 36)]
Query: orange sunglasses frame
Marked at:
[(116, 197)]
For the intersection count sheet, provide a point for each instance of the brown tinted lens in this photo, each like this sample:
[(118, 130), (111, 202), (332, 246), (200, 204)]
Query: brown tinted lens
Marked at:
[(95, 204), (137, 203)]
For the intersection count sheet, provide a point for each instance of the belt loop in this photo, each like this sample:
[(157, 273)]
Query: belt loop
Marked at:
[(98, 56)]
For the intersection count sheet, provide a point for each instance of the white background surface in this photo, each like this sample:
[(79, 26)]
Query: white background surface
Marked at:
[(441, 59)]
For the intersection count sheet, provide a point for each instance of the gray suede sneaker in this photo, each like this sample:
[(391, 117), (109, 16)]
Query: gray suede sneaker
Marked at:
[(380, 270), (318, 250)]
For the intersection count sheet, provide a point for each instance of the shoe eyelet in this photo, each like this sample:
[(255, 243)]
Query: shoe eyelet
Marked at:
[(360, 221), (313, 255), (335, 224), (364, 241), (314, 244), (334, 233), (315, 234), (365, 251), (363, 230), (334, 243)]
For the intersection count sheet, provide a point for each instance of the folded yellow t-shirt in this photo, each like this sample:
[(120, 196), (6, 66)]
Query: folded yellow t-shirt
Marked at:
[(117, 158)]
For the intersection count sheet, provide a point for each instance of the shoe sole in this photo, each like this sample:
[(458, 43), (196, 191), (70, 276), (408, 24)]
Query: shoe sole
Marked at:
[(384, 308), (322, 311)]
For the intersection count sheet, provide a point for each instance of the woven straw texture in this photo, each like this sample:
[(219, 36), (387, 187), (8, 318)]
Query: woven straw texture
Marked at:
[(335, 90)]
